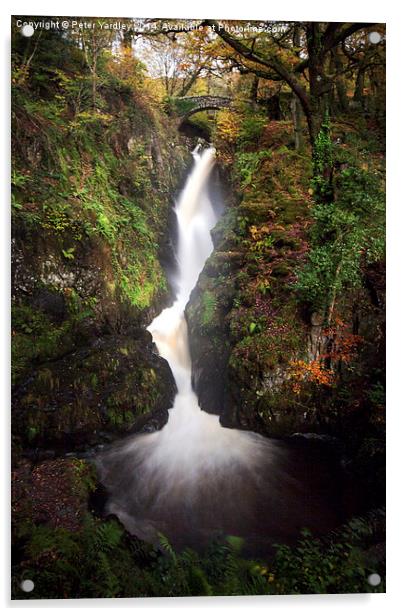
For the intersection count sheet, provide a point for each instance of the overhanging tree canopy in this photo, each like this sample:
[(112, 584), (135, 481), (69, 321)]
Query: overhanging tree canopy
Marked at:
[(279, 58)]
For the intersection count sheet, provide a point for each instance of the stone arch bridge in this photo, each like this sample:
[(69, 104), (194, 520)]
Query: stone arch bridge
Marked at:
[(186, 106)]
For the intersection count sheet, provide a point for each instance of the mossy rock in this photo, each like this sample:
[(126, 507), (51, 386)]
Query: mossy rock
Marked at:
[(78, 400), (289, 209), (221, 262), (281, 270), (283, 240), (256, 212)]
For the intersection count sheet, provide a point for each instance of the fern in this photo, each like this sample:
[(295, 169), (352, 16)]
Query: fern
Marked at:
[(198, 582), (110, 582), (166, 547), (209, 305), (108, 536)]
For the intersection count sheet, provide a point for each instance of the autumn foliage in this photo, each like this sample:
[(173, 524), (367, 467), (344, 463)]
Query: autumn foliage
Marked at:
[(341, 347)]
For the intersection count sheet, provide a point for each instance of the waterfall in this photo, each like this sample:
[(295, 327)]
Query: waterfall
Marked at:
[(194, 479), (195, 219)]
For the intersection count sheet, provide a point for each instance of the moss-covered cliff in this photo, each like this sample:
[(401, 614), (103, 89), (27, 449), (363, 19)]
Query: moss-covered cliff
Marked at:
[(92, 198), (266, 355)]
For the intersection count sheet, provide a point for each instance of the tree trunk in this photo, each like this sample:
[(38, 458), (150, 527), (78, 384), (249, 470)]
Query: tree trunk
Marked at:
[(94, 84), (189, 84), (127, 40), (94, 89), (254, 89), (320, 87), (359, 87), (343, 100), (297, 123)]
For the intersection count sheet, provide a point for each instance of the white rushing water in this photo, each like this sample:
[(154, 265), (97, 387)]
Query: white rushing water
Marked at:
[(194, 477), (192, 439), (195, 219)]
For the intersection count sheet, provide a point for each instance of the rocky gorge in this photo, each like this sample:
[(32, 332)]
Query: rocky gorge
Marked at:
[(286, 326)]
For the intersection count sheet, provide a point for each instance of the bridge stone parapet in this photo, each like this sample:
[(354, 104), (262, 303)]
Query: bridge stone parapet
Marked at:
[(189, 105)]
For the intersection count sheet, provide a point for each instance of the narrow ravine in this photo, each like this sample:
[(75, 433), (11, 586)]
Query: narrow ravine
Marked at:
[(198, 307), (195, 480)]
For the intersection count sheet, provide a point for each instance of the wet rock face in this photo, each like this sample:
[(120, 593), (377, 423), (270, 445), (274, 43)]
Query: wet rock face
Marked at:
[(209, 360), (84, 367), (209, 339), (50, 302), (94, 394), (52, 284)]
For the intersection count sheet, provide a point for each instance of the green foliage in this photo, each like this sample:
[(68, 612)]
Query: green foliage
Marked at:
[(314, 567), (101, 560), (178, 106), (32, 432), (252, 327), (69, 253), (252, 126), (105, 226), (19, 180), (117, 417), (209, 305), (248, 164), (35, 338), (71, 186), (92, 206), (347, 233), (202, 123), (167, 548), (65, 564), (85, 477), (323, 163), (376, 394)]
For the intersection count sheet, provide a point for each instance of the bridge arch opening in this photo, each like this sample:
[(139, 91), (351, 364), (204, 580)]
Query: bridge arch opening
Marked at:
[(199, 123), (198, 112)]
